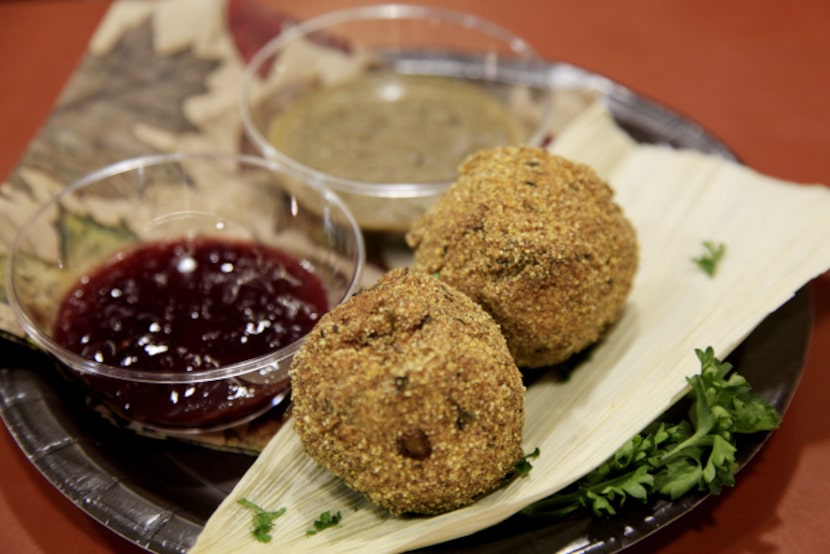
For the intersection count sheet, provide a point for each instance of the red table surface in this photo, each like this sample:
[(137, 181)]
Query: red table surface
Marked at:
[(756, 73)]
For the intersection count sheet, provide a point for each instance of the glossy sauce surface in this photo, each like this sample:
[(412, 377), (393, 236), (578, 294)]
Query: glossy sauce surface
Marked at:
[(189, 306)]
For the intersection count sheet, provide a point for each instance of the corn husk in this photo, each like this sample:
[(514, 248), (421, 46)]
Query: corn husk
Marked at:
[(776, 236)]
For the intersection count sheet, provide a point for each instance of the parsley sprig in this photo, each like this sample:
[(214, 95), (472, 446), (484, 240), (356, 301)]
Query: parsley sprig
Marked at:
[(327, 519), (709, 261), (523, 466), (672, 459), (262, 520)]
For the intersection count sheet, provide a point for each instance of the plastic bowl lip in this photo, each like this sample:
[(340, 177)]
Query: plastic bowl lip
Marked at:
[(265, 363), (379, 11)]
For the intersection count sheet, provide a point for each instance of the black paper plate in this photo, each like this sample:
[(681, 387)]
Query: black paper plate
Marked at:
[(158, 494)]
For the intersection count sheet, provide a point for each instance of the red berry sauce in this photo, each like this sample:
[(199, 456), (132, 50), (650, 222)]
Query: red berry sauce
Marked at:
[(189, 306)]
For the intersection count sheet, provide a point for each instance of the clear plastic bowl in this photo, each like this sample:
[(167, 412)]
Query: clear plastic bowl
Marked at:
[(457, 52), (153, 199)]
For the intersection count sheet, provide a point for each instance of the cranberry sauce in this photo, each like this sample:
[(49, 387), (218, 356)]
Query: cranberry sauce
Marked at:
[(188, 306)]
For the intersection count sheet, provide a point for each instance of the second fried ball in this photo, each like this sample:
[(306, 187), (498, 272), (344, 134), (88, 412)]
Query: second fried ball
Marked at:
[(539, 242)]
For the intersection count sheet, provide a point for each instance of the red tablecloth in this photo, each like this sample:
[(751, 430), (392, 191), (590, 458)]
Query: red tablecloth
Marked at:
[(756, 73)]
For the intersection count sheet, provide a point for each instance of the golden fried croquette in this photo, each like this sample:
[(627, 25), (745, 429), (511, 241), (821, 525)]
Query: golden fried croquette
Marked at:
[(407, 392), (539, 242)]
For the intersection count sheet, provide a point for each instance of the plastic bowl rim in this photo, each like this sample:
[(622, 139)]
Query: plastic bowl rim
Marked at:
[(344, 185), (261, 364)]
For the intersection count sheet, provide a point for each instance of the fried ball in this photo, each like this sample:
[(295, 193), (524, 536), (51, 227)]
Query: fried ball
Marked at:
[(539, 242), (407, 392)]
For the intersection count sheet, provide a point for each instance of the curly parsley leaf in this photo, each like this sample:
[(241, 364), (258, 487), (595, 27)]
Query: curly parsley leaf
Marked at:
[(327, 519), (523, 466), (262, 520), (671, 459), (709, 261)]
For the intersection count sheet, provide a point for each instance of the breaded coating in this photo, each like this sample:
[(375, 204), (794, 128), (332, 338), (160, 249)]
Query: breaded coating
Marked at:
[(539, 242), (407, 392)]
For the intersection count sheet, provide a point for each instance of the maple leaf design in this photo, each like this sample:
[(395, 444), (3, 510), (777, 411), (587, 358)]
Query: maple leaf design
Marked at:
[(108, 95), (252, 24)]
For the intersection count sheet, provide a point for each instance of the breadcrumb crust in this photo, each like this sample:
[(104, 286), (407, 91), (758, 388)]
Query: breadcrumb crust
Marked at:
[(539, 242), (409, 393)]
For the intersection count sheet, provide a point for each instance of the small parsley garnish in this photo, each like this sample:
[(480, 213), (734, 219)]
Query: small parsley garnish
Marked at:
[(523, 466), (327, 519), (709, 261), (262, 520), (671, 459)]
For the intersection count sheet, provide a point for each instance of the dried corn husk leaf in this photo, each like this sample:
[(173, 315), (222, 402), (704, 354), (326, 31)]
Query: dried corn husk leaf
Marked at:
[(776, 235)]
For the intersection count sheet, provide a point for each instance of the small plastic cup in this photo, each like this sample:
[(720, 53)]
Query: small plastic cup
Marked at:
[(384, 102), (179, 197)]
